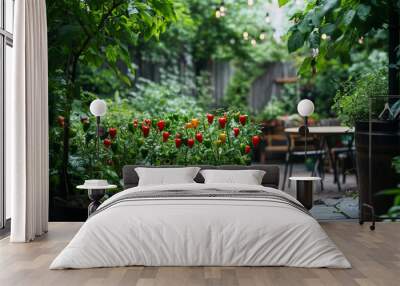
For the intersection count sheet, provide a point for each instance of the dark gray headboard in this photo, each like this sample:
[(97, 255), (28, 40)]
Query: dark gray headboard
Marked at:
[(271, 177)]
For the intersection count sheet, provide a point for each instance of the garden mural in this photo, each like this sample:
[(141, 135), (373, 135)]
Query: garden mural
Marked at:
[(157, 64)]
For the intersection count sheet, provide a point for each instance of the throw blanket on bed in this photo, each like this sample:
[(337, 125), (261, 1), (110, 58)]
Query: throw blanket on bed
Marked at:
[(205, 194), (201, 225)]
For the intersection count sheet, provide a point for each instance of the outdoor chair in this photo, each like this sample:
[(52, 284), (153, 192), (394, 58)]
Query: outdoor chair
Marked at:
[(296, 150), (344, 158)]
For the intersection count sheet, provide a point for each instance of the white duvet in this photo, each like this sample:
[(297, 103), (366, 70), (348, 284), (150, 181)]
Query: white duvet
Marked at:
[(206, 231)]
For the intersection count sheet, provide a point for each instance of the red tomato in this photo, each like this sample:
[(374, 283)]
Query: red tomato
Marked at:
[(145, 130), (210, 118), (199, 137), (147, 122), (135, 123), (247, 149), (178, 142), (222, 122), (107, 142), (242, 119), (236, 131), (112, 132), (161, 125), (61, 120), (165, 136), (255, 140), (190, 142)]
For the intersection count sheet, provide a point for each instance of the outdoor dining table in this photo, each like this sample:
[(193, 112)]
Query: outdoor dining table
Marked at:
[(324, 132)]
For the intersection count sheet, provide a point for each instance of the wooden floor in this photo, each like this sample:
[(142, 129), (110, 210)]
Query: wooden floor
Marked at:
[(375, 257)]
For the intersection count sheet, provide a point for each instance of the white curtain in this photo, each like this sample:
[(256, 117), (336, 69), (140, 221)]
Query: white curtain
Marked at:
[(27, 122)]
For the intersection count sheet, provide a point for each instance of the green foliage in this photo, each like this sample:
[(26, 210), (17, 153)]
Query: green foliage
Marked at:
[(346, 26), (168, 96), (87, 38), (352, 100), (394, 211), (273, 109)]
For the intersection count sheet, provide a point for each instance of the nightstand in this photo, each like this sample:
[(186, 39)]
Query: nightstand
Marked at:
[(305, 189), (96, 191)]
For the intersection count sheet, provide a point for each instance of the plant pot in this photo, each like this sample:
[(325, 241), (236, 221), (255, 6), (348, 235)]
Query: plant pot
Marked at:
[(385, 144)]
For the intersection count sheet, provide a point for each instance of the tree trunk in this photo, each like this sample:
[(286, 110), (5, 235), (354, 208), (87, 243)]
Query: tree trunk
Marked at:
[(66, 137), (66, 183), (394, 41)]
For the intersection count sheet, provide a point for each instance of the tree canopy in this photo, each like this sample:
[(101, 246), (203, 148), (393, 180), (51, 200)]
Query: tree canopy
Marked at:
[(335, 28)]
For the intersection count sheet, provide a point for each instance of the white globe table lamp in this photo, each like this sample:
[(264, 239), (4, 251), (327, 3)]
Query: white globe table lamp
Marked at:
[(98, 108), (304, 185), (305, 108)]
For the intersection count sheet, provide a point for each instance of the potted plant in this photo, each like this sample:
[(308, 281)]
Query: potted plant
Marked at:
[(352, 107)]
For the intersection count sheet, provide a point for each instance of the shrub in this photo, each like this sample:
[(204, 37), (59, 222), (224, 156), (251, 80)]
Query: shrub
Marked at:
[(352, 100), (168, 139)]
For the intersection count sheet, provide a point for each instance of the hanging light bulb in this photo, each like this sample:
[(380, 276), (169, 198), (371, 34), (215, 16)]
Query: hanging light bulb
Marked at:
[(253, 42), (267, 18), (262, 36), (245, 35), (250, 2), (217, 13), (222, 9)]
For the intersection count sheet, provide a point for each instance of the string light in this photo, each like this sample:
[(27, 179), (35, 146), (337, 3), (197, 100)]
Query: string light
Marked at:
[(245, 35), (267, 18), (253, 42), (217, 13), (262, 36), (220, 11), (361, 40), (250, 2), (324, 36)]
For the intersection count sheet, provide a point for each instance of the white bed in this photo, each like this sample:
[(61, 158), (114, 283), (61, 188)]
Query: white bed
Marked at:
[(202, 231)]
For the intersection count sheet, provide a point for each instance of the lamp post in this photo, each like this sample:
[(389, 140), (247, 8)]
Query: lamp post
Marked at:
[(98, 108), (305, 108)]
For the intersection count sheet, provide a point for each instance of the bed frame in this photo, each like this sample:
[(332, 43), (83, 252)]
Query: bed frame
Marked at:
[(270, 179)]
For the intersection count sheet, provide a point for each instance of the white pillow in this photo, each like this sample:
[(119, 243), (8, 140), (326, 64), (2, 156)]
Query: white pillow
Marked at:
[(166, 176), (248, 177)]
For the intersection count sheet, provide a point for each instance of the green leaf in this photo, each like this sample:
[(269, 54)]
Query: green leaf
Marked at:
[(348, 17), (295, 41), (363, 11), (282, 2), (305, 67), (394, 211), (329, 5), (328, 28), (389, 192)]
